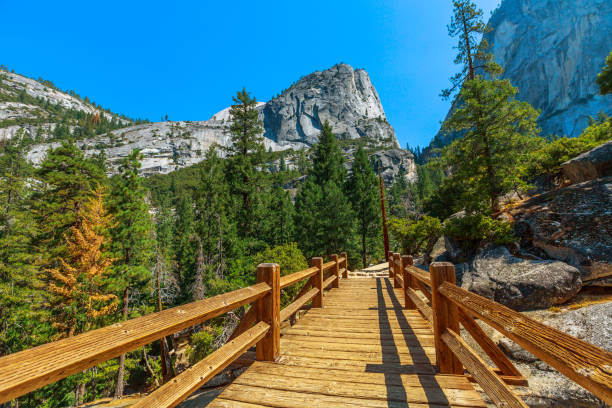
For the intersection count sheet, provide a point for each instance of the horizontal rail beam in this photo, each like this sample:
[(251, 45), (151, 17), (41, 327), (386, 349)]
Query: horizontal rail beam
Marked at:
[(584, 363), (179, 388), (328, 265), (294, 278), (400, 280), (329, 281), (423, 307), (31, 369), (490, 382), (297, 304), (341, 259), (421, 275)]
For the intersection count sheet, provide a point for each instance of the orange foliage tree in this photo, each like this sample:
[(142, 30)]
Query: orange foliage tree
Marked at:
[(77, 285)]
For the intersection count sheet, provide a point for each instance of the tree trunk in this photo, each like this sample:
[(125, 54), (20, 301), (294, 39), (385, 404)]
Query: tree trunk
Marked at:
[(148, 366), (363, 249), (121, 372), (468, 49)]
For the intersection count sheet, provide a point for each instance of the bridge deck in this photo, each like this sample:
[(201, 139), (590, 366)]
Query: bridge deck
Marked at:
[(361, 350)]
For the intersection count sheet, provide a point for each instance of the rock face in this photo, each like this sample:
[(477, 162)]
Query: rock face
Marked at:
[(549, 388), (343, 96), (590, 165), (520, 283), (572, 224), (552, 50)]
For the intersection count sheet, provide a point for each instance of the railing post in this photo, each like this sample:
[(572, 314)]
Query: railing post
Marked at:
[(268, 311), (396, 270), (407, 261), (391, 265), (336, 271), (445, 316), (345, 265), (317, 282)]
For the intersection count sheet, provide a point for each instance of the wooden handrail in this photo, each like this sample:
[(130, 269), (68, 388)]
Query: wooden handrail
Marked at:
[(182, 386), (328, 265), (28, 370), (290, 309), (329, 281), (490, 382), (582, 362), (289, 280), (421, 275)]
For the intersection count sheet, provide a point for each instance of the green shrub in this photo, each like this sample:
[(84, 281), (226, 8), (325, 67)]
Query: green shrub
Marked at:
[(473, 230), (548, 159), (415, 236), (202, 343)]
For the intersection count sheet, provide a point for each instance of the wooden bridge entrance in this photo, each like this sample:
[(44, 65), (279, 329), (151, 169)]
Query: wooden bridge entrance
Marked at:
[(384, 342), (363, 348)]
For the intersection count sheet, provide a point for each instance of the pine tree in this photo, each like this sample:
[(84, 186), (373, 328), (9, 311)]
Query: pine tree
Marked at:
[(498, 132), (68, 182), (279, 223), (245, 155), (401, 199), (467, 24), (132, 240), (328, 162), (363, 191)]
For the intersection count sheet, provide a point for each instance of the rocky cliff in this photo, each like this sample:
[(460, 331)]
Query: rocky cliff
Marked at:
[(552, 50), (341, 95)]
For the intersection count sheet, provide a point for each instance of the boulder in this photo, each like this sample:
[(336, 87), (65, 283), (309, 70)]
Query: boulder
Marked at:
[(590, 165), (549, 388), (573, 225), (389, 164), (521, 284)]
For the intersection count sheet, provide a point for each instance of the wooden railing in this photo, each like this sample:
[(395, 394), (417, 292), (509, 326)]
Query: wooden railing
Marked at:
[(31, 369), (446, 306)]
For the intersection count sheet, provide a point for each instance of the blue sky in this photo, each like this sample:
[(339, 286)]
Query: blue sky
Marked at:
[(186, 59)]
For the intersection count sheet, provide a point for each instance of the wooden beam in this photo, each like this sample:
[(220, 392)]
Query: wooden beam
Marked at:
[(328, 265), (407, 261), (329, 281), (397, 264), (31, 369), (294, 278), (420, 274), (179, 388), (317, 281), (491, 384), (345, 265), (336, 270), (582, 362), (422, 306), (444, 317), (268, 311), (247, 321), (297, 304), (488, 346)]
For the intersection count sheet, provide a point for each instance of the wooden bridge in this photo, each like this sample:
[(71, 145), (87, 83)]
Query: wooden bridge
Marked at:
[(385, 342)]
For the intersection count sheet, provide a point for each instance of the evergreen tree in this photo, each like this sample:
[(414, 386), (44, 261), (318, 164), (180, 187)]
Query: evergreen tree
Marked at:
[(132, 240), (467, 24), (279, 222), (363, 191), (68, 182), (401, 200), (498, 132), (245, 155), (604, 78), (328, 162)]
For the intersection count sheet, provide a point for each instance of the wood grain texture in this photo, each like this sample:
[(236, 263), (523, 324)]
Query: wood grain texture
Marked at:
[(397, 271), (179, 388), (28, 370), (328, 265), (289, 280), (423, 307), (345, 265), (336, 271), (419, 274), (407, 279), (445, 317), (487, 345), (584, 363), (292, 308), (491, 384), (317, 281), (329, 281), (247, 321), (268, 311)]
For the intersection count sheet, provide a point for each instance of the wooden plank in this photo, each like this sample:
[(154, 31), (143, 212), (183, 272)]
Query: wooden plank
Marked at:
[(289, 280), (397, 262), (491, 384), (297, 304), (224, 403), (28, 370), (445, 317), (584, 363), (419, 274), (329, 281), (420, 304), (488, 346), (382, 348), (336, 270), (328, 265), (356, 365), (292, 399), (375, 358), (268, 311), (183, 385), (330, 374), (382, 392), (381, 340)]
